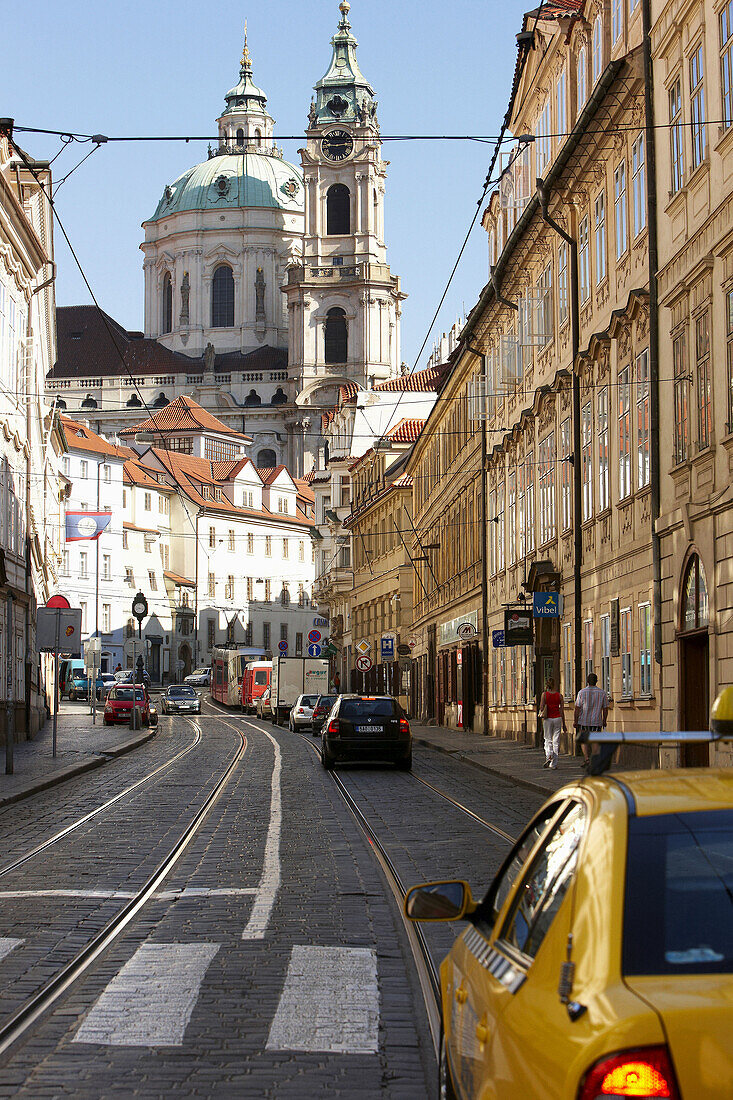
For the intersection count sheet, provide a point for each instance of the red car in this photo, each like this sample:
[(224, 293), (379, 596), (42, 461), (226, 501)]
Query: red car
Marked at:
[(119, 704)]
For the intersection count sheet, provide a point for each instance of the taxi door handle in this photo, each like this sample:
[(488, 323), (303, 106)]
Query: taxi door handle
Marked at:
[(482, 1032), (461, 995)]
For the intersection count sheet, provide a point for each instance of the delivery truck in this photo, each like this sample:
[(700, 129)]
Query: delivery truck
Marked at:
[(294, 676)]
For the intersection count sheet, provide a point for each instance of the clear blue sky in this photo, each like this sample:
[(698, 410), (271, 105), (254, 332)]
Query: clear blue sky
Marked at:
[(143, 69)]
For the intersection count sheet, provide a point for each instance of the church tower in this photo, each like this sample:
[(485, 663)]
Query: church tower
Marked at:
[(344, 304)]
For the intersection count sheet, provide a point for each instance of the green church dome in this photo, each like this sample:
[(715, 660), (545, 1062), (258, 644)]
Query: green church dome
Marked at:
[(230, 180)]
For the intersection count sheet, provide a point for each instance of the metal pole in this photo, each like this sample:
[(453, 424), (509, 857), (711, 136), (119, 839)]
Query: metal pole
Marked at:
[(10, 715), (56, 679)]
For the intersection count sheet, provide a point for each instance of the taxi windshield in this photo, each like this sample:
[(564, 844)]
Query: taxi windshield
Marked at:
[(679, 894)]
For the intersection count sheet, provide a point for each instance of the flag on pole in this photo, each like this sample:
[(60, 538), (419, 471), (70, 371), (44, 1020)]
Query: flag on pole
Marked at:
[(86, 525)]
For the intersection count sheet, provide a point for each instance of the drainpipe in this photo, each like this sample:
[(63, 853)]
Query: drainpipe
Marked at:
[(577, 464), (651, 200), (484, 560)]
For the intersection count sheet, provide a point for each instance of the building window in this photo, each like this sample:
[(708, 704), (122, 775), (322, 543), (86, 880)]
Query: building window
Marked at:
[(268, 546), (107, 473), (638, 184), (152, 582), (675, 136), (543, 141), (584, 259), (130, 629), (627, 685), (211, 589), (65, 568), (704, 395), (512, 516), (164, 505), (600, 212), (597, 48), (106, 567), (681, 383), (587, 449), (266, 636), (210, 633), (83, 565), (645, 649), (566, 475), (250, 543), (561, 110), (129, 577), (643, 467), (729, 352), (124, 540), (148, 541), (285, 596), (83, 469), (230, 541), (617, 20), (301, 551), (222, 298), (338, 210), (624, 433), (726, 62), (106, 618), (229, 593), (695, 609), (494, 521), (603, 456), (148, 502), (167, 303), (298, 645), (547, 488), (697, 108), (582, 78), (529, 500), (268, 592), (285, 550), (588, 647), (567, 661), (605, 624), (336, 336), (562, 280), (83, 608), (619, 178)]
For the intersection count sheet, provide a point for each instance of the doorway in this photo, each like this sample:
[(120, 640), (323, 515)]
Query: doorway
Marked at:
[(695, 702)]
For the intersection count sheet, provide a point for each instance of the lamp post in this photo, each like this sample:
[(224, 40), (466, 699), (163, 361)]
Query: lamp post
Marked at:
[(139, 610)]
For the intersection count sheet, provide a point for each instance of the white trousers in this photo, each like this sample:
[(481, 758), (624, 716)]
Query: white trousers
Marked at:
[(552, 727)]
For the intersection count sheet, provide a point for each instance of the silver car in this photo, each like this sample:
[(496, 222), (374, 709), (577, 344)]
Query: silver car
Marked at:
[(302, 712)]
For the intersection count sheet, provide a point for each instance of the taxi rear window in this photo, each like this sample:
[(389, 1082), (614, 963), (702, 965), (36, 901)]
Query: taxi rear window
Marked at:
[(678, 915)]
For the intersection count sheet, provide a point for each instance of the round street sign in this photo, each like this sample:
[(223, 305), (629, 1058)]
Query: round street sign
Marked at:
[(314, 636), (314, 650), (363, 663), (282, 646), (58, 601), (466, 631)]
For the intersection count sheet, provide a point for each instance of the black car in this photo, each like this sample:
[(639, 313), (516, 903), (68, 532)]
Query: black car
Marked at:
[(180, 699), (321, 709), (367, 727)]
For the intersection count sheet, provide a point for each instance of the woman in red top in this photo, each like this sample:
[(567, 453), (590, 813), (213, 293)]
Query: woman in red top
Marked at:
[(552, 713)]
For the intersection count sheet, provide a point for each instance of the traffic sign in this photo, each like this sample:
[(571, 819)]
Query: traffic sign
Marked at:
[(314, 636), (314, 650), (282, 646), (387, 647), (412, 643), (363, 663), (466, 631), (58, 601), (363, 647)]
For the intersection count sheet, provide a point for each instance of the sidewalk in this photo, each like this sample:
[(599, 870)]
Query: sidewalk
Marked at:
[(81, 746), (513, 760)]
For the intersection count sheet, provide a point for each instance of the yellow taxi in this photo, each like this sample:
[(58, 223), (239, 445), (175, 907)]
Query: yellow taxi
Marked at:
[(600, 962)]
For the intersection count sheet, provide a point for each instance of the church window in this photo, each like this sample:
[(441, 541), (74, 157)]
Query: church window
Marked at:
[(258, 137), (338, 210), (222, 298), (336, 336), (253, 398), (280, 397), (240, 136), (160, 402), (89, 402), (167, 303), (266, 459)]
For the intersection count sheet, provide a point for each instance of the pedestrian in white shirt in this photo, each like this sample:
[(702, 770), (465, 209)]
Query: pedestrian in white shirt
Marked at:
[(591, 713)]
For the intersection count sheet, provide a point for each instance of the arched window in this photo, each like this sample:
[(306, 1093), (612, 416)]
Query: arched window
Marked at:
[(89, 402), (581, 75), (258, 137), (134, 402), (597, 47), (222, 298), (695, 611), (337, 338), (280, 397), (266, 459), (161, 401), (338, 210), (60, 403), (167, 302), (253, 398), (240, 136)]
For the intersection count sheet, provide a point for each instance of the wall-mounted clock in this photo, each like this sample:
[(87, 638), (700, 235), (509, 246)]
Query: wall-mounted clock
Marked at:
[(337, 145)]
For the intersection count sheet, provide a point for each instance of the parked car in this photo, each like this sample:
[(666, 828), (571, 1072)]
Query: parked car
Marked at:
[(181, 699), (200, 677), (126, 677), (301, 714), (119, 702), (78, 685), (108, 682), (67, 667), (262, 705), (367, 727), (321, 709)]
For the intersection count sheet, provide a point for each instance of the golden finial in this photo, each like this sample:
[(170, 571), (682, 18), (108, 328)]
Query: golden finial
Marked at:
[(246, 59), (345, 8)]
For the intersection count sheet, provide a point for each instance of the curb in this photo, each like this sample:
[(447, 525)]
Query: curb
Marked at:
[(74, 770), (539, 788)]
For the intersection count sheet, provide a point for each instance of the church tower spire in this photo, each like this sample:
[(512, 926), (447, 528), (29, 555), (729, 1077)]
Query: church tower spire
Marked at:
[(245, 120), (343, 94)]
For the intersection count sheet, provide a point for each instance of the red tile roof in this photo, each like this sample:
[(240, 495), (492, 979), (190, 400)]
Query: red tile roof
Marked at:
[(183, 415), (178, 579), (81, 438), (135, 474), (422, 381), (348, 392), (406, 431), (270, 473), (309, 476)]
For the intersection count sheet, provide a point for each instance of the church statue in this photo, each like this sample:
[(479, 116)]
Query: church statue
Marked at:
[(209, 357), (185, 295), (260, 286), (313, 114)]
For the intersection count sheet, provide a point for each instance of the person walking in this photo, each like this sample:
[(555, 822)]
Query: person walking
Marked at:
[(591, 714), (552, 713)]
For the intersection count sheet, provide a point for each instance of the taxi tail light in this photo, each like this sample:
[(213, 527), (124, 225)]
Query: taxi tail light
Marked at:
[(404, 725), (334, 725), (645, 1073)]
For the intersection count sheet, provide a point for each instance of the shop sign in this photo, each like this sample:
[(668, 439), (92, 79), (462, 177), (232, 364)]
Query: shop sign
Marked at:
[(448, 631), (546, 605), (518, 627), (466, 631), (497, 639)]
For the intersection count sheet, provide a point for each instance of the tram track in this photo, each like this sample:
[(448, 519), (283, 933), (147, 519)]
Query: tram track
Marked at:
[(22, 1020)]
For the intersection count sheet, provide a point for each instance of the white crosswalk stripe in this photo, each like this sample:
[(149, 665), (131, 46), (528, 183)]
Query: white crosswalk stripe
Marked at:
[(7, 943)]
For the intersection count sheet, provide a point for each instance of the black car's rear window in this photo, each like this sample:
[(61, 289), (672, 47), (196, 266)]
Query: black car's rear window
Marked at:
[(678, 915), (359, 708), (326, 701)]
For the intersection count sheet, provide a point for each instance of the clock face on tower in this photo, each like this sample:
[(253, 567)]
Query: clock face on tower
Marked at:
[(337, 145)]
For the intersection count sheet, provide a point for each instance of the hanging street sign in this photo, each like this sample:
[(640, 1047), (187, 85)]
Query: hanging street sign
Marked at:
[(497, 639), (314, 650), (466, 631), (412, 643), (547, 605), (314, 636), (363, 647), (282, 646), (518, 626), (363, 663), (404, 650)]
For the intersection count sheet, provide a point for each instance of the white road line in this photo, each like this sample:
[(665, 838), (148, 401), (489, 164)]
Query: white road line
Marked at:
[(270, 880), (330, 1002), (161, 895), (7, 943), (91, 894), (150, 1001)]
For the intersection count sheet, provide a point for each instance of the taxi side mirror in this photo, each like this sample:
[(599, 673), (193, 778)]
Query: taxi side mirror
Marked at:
[(439, 901)]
